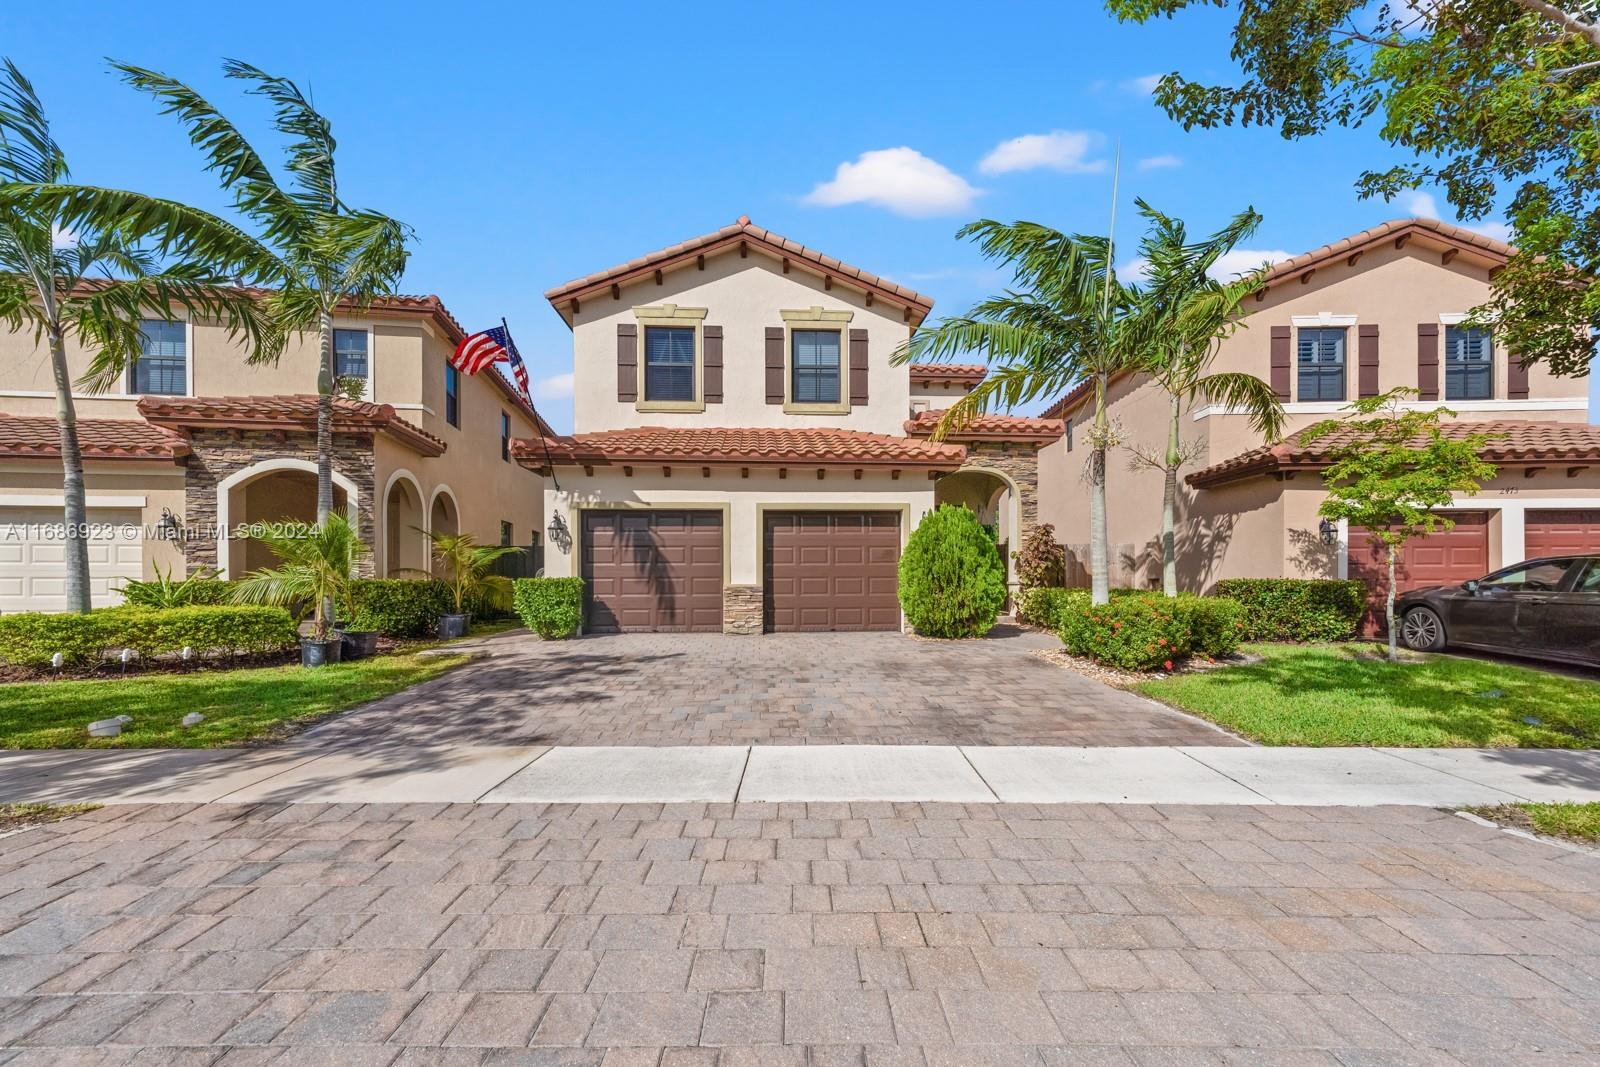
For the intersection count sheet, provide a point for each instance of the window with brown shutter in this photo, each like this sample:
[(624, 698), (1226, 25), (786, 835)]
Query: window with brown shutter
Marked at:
[(1367, 360), (1516, 378), (711, 337), (858, 366), (775, 364), (1428, 360), (1280, 361), (627, 362)]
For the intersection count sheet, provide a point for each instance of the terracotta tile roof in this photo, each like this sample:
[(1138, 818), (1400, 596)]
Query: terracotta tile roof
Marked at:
[(1513, 443), (292, 412), (729, 237), (1391, 231), (755, 446), (39, 437), (963, 373), (989, 427)]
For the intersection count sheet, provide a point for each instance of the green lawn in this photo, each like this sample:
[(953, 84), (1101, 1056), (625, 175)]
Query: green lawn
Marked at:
[(1329, 695), (252, 704), (1575, 822), (20, 816)]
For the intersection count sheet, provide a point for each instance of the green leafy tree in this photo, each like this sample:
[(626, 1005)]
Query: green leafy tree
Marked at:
[(1493, 96), (952, 580), (1065, 320), (1189, 313), (84, 263), (330, 255), (1391, 467), (317, 565)]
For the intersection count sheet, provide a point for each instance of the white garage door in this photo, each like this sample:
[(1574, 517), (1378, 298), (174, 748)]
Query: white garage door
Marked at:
[(33, 559)]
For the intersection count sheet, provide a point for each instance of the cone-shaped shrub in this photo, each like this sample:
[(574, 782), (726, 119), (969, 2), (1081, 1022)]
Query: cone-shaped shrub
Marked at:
[(952, 582)]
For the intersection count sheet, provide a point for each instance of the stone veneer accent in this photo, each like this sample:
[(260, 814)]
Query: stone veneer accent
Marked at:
[(1020, 463), (217, 454), (742, 609)]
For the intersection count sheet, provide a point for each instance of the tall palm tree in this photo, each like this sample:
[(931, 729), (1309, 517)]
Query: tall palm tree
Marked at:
[(89, 263), (1065, 320), (330, 254), (1189, 313)]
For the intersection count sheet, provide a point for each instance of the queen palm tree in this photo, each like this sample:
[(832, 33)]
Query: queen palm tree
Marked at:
[(331, 255), (1188, 313), (89, 263), (1066, 320)]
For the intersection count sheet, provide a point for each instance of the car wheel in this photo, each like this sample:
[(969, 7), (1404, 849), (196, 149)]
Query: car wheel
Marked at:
[(1422, 630)]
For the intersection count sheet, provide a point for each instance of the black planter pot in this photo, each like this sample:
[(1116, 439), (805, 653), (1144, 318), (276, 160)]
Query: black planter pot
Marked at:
[(357, 644), (454, 625), (314, 653)]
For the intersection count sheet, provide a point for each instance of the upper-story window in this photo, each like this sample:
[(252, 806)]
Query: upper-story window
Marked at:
[(452, 395), (814, 365), (163, 363), (1468, 364), (505, 437), (669, 363), (350, 354), (1321, 363)]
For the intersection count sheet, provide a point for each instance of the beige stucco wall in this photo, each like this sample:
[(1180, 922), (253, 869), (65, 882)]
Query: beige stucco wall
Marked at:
[(744, 296), (937, 395), (742, 501), (160, 485)]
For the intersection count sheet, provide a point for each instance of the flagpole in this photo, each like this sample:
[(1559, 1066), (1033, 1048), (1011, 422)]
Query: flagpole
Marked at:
[(543, 440)]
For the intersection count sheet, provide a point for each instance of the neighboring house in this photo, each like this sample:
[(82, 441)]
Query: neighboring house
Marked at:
[(745, 457), (195, 442), (1356, 318)]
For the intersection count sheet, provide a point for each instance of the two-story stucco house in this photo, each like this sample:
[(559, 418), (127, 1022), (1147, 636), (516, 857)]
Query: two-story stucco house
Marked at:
[(1356, 318), (196, 444), (745, 457)]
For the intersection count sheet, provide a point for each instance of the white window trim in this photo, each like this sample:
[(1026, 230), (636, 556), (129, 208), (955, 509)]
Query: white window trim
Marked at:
[(1452, 318), (671, 316), (188, 361), (816, 318), (1323, 318), (1328, 407)]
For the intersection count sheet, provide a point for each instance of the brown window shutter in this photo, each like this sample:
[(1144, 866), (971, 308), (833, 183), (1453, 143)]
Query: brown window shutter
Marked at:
[(1367, 360), (1428, 360), (775, 365), (1280, 362), (627, 362), (711, 352), (1516, 378), (858, 366)]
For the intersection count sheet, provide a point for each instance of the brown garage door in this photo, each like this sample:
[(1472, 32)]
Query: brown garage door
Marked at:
[(1560, 533), (652, 570), (832, 570), (1445, 557)]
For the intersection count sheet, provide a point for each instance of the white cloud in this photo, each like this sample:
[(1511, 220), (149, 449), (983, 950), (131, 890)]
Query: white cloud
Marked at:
[(1424, 206), (1063, 150), (1136, 269), (1145, 83), (1242, 261), (555, 387), (1166, 162), (62, 238), (901, 179)]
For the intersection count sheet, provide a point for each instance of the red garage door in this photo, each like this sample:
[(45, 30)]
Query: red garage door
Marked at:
[(1445, 557), (1561, 533)]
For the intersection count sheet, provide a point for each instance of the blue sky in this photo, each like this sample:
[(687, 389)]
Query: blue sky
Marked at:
[(530, 144)]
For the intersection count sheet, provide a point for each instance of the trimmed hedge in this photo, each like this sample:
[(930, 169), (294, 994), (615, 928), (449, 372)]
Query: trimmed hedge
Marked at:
[(30, 639), (1140, 631), (399, 607), (952, 580), (1047, 606), (1298, 609), (550, 607)]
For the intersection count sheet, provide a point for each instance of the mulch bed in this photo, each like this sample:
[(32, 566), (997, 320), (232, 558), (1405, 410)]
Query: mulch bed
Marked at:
[(1121, 679)]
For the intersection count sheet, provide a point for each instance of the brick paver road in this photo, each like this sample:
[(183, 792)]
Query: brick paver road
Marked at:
[(904, 934), (789, 689)]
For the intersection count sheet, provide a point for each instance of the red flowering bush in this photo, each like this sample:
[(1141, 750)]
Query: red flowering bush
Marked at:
[(1134, 633)]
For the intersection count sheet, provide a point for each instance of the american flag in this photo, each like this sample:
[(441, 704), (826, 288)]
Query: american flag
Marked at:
[(491, 346)]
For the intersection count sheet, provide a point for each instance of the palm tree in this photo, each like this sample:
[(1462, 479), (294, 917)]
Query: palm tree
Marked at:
[(1188, 315), (331, 255), (316, 565), (1066, 320), (89, 263), (466, 564)]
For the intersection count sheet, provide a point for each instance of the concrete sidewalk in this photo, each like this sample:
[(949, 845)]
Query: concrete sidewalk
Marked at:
[(306, 773)]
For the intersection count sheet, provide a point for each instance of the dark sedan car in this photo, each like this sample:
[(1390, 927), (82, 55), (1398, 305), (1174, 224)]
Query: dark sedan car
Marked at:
[(1549, 608)]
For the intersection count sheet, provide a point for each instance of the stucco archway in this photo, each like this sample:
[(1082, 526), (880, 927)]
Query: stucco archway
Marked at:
[(994, 498), (274, 490), (405, 537)]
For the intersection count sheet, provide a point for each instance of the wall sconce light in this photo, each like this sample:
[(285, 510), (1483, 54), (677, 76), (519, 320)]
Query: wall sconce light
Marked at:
[(559, 535), (1328, 531), (169, 526)]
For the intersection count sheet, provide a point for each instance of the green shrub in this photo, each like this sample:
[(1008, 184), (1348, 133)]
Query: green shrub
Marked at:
[(1046, 607), (1297, 609), (30, 639), (952, 580), (398, 607), (1134, 633), (1042, 560), (1216, 623), (165, 591), (550, 607)]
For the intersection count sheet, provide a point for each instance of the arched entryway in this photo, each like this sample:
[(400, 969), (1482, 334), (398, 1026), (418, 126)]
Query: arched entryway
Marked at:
[(993, 498), (444, 517), (273, 491), (405, 535)]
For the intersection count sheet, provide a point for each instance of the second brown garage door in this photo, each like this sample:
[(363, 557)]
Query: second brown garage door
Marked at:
[(831, 570), (1444, 557), (1560, 533), (652, 570)]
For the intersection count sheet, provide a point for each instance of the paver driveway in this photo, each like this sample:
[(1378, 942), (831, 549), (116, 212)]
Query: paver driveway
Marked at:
[(781, 935), (712, 689)]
